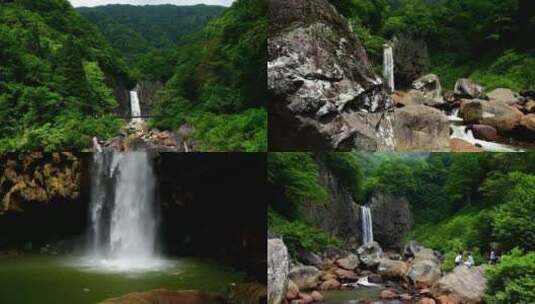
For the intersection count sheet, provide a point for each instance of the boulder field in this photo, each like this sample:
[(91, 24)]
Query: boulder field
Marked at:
[(412, 276)]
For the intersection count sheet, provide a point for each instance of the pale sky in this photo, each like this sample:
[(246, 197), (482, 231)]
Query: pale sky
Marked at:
[(77, 3)]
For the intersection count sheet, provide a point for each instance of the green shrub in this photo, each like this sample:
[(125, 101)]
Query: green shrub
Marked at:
[(512, 280), (301, 236)]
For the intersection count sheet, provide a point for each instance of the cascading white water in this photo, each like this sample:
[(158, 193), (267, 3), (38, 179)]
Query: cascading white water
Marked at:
[(388, 67), (135, 107), (367, 224), (122, 213), (461, 131)]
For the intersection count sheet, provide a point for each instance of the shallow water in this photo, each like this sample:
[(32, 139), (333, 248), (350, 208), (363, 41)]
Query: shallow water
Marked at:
[(351, 296), (44, 279)]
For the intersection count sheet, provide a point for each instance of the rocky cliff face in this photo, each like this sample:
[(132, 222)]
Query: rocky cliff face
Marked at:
[(391, 219), (38, 178), (146, 91), (323, 92), (340, 216)]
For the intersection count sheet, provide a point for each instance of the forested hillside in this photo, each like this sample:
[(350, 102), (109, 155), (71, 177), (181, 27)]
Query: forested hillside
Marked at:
[(57, 77), (458, 202), (136, 30), (219, 83), (485, 40)]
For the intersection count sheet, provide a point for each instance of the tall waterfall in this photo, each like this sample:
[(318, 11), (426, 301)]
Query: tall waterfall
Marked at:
[(388, 67), (367, 224), (122, 213), (135, 107)]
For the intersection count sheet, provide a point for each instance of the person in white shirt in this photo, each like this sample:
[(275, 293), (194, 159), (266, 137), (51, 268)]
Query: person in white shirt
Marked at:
[(459, 259), (470, 261)]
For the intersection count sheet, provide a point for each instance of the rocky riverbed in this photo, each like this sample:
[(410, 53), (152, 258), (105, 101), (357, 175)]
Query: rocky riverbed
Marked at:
[(369, 275)]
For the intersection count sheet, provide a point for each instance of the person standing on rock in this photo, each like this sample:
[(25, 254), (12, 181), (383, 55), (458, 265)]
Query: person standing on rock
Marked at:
[(459, 259), (493, 257), (470, 261)]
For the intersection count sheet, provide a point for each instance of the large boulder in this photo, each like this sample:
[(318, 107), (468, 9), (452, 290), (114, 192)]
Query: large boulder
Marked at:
[(278, 265), (500, 115), (421, 128), (370, 254), (305, 277), (350, 262), (467, 88), (505, 96), (411, 248), (466, 284), (414, 97), (425, 269), (322, 89), (167, 296), (528, 122), (471, 111), (430, 86), (391, 219), (391, 269), (484, 132), (411, 59)]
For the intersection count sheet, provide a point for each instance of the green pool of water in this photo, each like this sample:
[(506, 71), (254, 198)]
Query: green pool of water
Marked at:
[(351, 296), (44, 279)]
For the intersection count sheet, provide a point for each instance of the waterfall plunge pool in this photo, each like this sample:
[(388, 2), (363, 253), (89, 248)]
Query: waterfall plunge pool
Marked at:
[(40, 279)]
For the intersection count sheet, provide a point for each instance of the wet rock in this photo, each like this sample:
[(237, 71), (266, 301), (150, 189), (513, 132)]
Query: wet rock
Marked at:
[(459, 145), (425, 269), (278, 264), (392, 269), (466, 284), (323, 92), (345, 275), (388, 294), (331, 284), (405, 297), (483, 132), (411, 248), (310, 258), (370, 254), (466, 88), (306, 298), (293, 291), (167, 296), (530, 106), (414, 97), (348, 263), (316, 296), (305, 277), (375, 278), (421, 128), (504, 96)]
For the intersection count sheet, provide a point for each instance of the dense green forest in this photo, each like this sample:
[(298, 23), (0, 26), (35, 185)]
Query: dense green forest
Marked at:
[(56, 78), (219, 84), (137, 30), (458, 202), (58, 73), (486, 40)]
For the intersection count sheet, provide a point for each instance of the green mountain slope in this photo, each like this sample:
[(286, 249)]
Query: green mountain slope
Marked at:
[(56, 78), (134, 30), (219, 84)]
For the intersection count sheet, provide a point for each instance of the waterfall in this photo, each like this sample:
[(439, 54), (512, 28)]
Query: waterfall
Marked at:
[(388, 67), (122, 213), (135, 107), (367, 224)]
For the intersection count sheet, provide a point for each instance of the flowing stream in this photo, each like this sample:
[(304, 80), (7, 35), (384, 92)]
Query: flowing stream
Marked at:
[(367, 227), (122, 212), (388, 67)]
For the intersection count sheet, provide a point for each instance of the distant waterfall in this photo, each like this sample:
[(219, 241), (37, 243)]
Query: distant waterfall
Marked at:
[(123, 219), (388, 67), (135, 107), (367, 224)]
